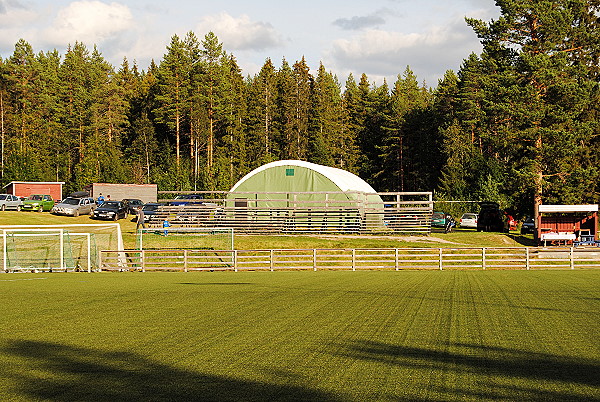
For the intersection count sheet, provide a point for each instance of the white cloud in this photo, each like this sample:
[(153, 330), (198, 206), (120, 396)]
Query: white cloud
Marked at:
[(90, 22), (240, 33), (13, 16), (386, 53)]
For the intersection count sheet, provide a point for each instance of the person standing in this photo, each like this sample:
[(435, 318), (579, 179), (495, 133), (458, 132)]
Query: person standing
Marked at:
[(100, 199), (166, 226), (140, 218)]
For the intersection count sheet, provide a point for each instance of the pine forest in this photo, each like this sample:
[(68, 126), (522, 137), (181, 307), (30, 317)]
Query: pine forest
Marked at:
[(517, 124)]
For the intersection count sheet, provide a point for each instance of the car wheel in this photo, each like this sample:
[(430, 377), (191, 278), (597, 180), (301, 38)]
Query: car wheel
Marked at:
[(3, 207), (41, 209)]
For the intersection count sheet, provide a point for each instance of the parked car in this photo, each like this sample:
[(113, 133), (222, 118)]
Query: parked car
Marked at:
[(528, 226), (438, 219), (110, 210), (468, 220), (187, 199), (132, 204), (491, 218), (9, 201), (72, 206), (38, 202)]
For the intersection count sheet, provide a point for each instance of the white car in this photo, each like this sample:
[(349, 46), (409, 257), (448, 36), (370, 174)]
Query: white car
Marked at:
[(469, 220), (9, 201)]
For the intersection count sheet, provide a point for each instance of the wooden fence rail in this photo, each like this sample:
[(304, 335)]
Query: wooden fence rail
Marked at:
[(487, 258)]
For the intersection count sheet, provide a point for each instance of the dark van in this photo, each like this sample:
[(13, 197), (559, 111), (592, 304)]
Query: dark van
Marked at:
[(490, 218)]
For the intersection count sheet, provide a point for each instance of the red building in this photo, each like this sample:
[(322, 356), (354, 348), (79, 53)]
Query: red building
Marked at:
[(27, 188), (565, 223)]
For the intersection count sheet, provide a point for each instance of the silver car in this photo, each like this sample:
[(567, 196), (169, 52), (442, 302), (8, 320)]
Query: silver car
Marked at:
[(74, 206), (9, 201)]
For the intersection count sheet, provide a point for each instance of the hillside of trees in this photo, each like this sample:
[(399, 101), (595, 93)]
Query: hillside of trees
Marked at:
[(517, 124)]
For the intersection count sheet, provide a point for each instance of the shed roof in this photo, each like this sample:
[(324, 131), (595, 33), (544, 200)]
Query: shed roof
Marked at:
[(34, 182), (343, 179), (568, 208)]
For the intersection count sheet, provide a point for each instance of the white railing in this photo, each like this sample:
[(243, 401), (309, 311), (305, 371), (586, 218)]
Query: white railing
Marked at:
[(488, 258), (300, 212)]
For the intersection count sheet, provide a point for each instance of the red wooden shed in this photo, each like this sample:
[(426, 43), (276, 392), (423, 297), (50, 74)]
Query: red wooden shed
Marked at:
[(27, 188), (566, 222)]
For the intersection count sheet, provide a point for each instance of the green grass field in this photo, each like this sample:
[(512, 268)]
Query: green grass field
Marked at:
[(436, 336)]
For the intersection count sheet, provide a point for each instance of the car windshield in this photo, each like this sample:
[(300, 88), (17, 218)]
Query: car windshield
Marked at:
[(71, 201), (111, 204), (150, 207), (2, 196), (438, 215), (469, 216), (36, 197)]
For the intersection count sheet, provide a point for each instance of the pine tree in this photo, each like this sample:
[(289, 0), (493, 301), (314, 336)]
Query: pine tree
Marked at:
[(4, 111), (331, 140), (542, 60), (23, 84), (49, 110), (173, 98), (285, 118), (232, 151), (373, 108), (301, 98), (397, 149), (262, 95)]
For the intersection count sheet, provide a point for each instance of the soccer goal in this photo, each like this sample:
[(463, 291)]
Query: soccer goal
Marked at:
[(57, 247), (186, 238)]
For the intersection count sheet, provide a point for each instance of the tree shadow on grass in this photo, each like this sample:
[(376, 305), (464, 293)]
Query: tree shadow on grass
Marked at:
[(523, 240), (66, 373), (534, 368)]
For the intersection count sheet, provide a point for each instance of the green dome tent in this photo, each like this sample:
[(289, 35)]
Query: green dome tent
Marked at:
[(298, 186)]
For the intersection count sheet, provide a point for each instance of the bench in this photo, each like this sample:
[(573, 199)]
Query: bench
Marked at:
[(558, 237)]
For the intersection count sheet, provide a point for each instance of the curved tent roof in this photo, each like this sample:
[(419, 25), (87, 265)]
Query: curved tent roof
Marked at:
[(344, 180)]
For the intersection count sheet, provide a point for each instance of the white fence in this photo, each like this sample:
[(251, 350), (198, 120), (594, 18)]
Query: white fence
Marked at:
[(354, 259)]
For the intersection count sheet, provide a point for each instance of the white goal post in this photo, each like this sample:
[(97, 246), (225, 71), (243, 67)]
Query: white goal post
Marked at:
[(58, 247)]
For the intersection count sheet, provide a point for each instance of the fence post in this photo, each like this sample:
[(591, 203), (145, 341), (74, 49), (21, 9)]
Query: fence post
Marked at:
[(441, 264), (483, 257), (527, 258), (271, 259), (353, 259), (314, 259), (235, 258), (185, 260), (396, 259), (143, 255), (571, 256)]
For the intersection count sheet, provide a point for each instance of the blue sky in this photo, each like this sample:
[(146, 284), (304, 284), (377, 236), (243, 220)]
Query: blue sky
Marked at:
[(376, 37)]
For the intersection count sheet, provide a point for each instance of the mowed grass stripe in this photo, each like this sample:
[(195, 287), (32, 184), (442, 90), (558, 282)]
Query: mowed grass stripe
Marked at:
[(304, 335)]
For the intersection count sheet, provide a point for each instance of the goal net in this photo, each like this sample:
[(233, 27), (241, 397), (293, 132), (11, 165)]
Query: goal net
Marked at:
[(57, 247), (186, 238)]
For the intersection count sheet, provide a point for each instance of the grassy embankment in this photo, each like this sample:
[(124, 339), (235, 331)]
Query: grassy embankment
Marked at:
[(458, 238)]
